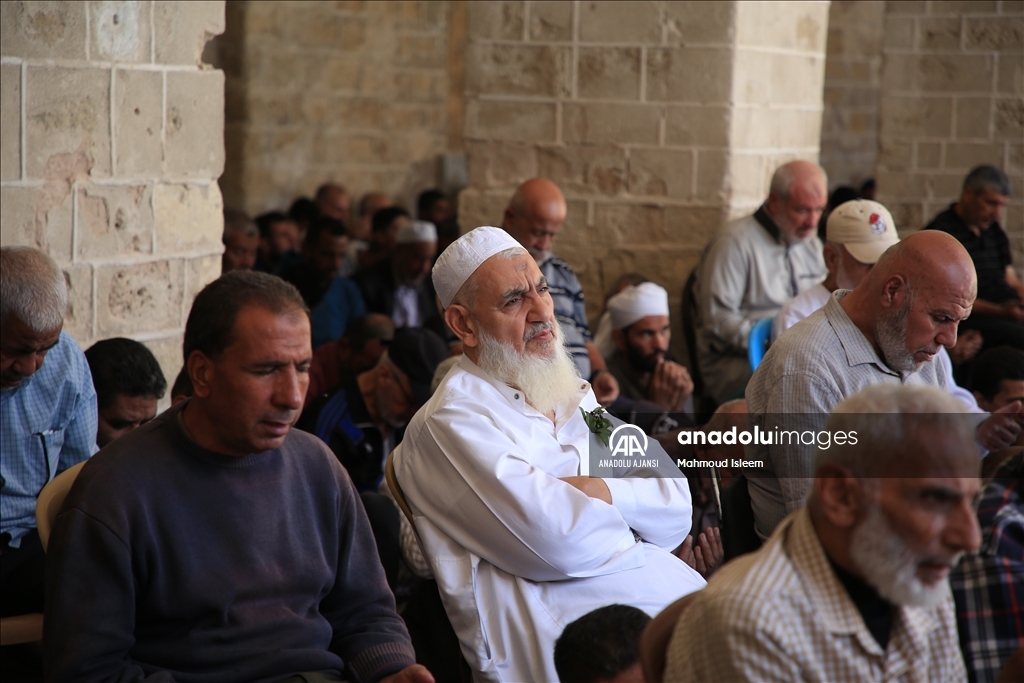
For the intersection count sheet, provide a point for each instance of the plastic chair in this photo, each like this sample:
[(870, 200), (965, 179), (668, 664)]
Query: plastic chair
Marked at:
[(51, 498), (757, 343)]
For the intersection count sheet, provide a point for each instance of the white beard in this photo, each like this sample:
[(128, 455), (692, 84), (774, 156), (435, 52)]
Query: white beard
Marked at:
[(886, 563), (891, 335), (547, 381)]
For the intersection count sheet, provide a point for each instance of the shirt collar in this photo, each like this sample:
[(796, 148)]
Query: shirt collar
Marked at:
[(859, 350), (768, 223)]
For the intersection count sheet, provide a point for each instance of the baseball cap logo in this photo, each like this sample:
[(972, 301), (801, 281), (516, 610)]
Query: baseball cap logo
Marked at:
[(877, 223)]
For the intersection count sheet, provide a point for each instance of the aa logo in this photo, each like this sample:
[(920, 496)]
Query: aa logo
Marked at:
[(628, 441)]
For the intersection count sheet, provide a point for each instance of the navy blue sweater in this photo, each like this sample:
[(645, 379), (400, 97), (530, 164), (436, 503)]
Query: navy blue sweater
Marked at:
[(170, 562)]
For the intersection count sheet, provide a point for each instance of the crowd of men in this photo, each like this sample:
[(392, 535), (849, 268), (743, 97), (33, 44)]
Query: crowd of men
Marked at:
[(398, 453)]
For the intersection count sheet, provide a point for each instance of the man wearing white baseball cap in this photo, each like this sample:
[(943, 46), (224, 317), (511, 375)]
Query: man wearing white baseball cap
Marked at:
[(494, 468)]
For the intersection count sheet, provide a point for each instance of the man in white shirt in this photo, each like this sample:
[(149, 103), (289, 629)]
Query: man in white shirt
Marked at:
[(494, 467)]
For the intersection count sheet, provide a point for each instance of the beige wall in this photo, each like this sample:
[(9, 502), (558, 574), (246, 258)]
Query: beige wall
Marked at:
[(111, 147), (952, 98), (853, 74), (355, 92)]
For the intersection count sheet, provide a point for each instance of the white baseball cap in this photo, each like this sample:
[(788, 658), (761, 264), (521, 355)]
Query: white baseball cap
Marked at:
[(864, 227)]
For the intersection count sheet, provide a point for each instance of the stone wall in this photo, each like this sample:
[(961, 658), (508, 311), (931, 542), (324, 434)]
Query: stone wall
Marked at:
[(355, 92), (111, 147), (952, 98), (853, 68), (659, 120)]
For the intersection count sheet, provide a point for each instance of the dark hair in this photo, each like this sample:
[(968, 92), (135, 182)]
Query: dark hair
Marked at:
[(183, 384), (124, 366), (383, 218), (322, 225), (600, 645), (303, 211), (995, 365), (866, 187), (266, 220), (367, 327), (984, 178), (212, 318), (425, 202)]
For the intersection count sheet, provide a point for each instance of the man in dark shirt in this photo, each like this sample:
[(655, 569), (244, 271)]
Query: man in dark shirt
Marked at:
[(974, 220)]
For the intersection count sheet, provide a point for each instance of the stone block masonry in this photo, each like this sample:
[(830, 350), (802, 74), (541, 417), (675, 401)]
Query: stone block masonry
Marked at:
[(111, 146)]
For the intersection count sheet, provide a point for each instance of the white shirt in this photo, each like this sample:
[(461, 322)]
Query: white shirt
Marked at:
[(406, 312), (517, 553)]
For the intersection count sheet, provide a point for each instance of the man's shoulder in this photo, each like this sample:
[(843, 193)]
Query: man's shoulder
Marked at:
[(947, 221), (553, 265)]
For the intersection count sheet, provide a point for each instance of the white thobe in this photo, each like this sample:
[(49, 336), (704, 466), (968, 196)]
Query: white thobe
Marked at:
[(517, 553)]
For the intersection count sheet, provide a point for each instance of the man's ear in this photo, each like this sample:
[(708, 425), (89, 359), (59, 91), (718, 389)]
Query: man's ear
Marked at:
[(839, 494), (774, 203), (832, 258), (619, 337), (200, 371), (462, 324), (894, 291)]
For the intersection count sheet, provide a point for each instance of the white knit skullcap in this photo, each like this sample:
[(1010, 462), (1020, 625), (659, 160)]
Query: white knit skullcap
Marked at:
[(637, 302), (464, 256), (416, 232)]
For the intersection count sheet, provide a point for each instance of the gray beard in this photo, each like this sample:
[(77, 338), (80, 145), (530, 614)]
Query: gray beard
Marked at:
[(891, 335), (547, 381)]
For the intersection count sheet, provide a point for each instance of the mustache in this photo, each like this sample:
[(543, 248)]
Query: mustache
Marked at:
[(537, 328)]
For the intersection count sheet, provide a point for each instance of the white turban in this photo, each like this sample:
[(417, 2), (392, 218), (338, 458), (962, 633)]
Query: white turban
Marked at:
[(416, 232), (637, 302), (464, 256)]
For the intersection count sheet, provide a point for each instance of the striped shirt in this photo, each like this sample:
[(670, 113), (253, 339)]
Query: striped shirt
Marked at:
[(818, 363), (47, 424), (781, 614), (570, 309)]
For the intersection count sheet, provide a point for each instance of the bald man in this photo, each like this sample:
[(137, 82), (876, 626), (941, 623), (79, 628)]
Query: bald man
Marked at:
[(334, 201), (886, 331), (752, 268), (534, 217)]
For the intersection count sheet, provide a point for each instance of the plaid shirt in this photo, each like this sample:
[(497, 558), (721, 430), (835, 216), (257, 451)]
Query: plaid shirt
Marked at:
[(989, 587), (570, 309), (47, 424), (781, 614)]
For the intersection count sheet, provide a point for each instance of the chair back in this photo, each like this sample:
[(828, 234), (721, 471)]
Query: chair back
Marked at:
[(757, 343), (396, 490), (738, 535), (51, 498)]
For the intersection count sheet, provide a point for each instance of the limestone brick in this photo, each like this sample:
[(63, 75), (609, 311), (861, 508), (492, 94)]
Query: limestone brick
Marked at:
[(613, 123), (510, 121), (1009, 119), (138, 114), (532, 70), (795, 79), (67, 112), (10, 122), (1011, 75), (43, 30), (620, 22), (705, 125), (661, 173), (994, 33), (900, 31), (584, 169), (908, 216), (120, 31), (906, 7), (550, 21), (609, 73), (194, 129), (966, 155), (973, 118), (927, 116), (896, 156), (167, 351), (939, 33), (188, 217), (938, 73), (712, 176), (500, 164), (79, 320), (697, 23), (181, 35), (39, 217), (478, 208), (114, 220), (501, 20), (963, 6), (929, 155), (139, 298), (199, 272), (699, 75), (788, 25)]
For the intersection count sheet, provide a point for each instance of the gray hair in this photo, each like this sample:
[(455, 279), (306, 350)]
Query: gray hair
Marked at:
[(785, 176), (984, 178), (466, 296), (238, 221), (32, 289), (887, 418)]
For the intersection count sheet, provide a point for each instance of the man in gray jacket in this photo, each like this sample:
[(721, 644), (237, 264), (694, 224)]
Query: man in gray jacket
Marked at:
[(752, 268)]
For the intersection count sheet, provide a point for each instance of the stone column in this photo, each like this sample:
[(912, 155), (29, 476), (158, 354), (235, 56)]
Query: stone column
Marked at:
[(952, 98), (659, 120), (112, 142)]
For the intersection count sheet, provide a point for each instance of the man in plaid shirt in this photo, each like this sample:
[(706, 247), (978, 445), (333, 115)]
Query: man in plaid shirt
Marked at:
[(989, 587)]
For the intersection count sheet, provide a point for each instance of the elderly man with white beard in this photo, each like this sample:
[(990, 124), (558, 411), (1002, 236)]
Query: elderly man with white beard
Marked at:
[(854, 586), (494, 468)]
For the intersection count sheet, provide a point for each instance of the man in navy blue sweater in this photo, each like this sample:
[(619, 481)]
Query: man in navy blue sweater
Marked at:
[(215, 543)]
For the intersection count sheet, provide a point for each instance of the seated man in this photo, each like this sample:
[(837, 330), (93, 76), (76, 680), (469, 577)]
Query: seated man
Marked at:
[(361, 232), (384, 229), (494, 467), (853, 587), (241, 242), (215, 543), (886, 331), (998, 378), (279, 242), (752, 268), (47, 414), (358, 350), (602, 647), (974, 220), (333, 201), (434, 207), (363, 420), (129, 383), (640, 364)]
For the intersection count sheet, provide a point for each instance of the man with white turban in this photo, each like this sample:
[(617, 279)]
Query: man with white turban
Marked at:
[(494, 467), (640, 331)]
